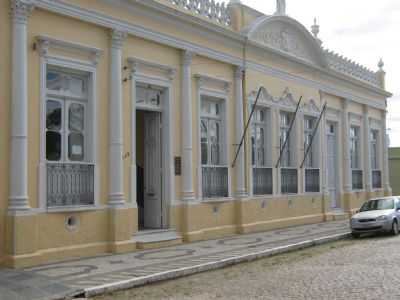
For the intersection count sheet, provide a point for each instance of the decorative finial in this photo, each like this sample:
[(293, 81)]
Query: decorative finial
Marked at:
[(315, 28), (315, 31), (381, 64), (280, 8)]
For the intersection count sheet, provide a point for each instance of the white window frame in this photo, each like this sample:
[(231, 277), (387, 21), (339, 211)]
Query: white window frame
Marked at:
[(267, 126), (291, 146), (375, 142), (359, 155), (355, 165), (315, 149), (142, 74), (90, 127), (222, 95)]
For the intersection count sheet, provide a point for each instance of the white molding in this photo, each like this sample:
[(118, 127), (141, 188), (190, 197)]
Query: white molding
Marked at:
[(329, 89), (224, 98), (168, 193), (136, 65), (332, 114), (45, 43), (203, 80), (71, 10), (355, 119), (375, 124), (68, 63)]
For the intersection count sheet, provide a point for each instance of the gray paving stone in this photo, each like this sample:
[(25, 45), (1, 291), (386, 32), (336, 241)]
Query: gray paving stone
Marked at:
[(54, 280)]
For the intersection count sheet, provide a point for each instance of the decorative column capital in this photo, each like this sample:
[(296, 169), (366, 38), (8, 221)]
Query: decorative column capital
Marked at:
[(21, 10), (239, 72), (188, 57), (345, 104), (117, 38)]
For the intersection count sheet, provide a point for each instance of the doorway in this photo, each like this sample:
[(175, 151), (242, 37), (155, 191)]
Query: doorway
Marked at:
[(149, 162), (332, 172)]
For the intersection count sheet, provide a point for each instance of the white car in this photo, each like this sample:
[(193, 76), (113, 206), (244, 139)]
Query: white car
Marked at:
[(377, 215)]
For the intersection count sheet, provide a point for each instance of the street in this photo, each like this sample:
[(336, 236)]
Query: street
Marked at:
[(365, 268)]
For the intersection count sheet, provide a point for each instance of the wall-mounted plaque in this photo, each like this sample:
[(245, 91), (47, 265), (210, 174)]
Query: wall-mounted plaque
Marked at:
[(178, 165)]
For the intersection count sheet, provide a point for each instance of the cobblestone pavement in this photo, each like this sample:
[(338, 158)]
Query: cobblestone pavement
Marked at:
[(349, 269), (76, 276)]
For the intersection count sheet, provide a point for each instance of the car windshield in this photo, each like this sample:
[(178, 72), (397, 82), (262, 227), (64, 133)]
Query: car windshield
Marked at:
[(379, 204)]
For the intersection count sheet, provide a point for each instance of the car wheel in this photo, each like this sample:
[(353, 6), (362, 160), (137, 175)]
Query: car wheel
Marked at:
[(395, 228), (355, 235)]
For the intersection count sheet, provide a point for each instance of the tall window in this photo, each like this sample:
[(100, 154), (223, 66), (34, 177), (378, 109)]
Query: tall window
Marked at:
[(355, 161), (286, 118), (311, 162), (262, 173), (213, 159), (288, 172), (375, 168), (374, 149), (69, 180)]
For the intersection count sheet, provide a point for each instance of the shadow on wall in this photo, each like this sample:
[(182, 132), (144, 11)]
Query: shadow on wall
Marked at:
[(394, 168)]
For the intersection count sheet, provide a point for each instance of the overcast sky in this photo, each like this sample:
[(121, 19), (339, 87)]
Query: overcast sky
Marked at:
[(362, 30)]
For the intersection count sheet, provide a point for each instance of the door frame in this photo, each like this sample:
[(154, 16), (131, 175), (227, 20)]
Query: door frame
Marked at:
[(168, 178), (337, 181)]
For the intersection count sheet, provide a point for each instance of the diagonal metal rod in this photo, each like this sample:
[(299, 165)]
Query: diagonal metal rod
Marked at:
[(246, 128), (290, 130), (313, 135)]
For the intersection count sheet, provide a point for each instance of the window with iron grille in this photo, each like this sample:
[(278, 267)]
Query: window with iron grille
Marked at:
[(69, 171), (289, 181), (260, 156), (375, 168), (288, 173), (357, 173), (311, 161), (212, 144), (286, 159)]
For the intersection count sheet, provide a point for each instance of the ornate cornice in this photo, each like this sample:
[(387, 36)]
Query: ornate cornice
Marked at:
[(239, 72), (21, 10), (187, 57), (46, 43), (117, 38), (137, 65)]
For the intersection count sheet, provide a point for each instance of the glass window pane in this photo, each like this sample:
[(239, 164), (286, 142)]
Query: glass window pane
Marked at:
[(205, 107), (53, 145), (75, 146), (53, 115), (76, 117), (76, 85), (55, 81)]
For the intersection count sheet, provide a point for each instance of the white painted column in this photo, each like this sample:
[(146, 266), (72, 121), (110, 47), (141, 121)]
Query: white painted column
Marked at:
[(133, 169), (323, 155), (18, 194), (367, 150), (385, 171), (187, 128), (275, 136), (347, 177), (116, 178), (239, 127), (299, 152)]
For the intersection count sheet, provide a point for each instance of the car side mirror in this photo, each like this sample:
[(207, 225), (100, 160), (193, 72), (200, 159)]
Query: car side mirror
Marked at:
[(398, 209)]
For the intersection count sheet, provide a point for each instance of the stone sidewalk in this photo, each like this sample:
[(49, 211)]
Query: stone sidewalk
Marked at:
[(93, 276)]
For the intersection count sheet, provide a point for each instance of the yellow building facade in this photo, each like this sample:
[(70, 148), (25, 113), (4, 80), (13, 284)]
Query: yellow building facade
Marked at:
[(136, 124)]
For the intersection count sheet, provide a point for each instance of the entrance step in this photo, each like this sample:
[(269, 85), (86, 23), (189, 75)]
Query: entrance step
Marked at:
[(336, 215), (152, 239)]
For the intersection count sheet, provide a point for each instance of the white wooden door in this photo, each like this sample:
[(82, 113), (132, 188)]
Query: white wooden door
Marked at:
[(152, 171), (332, 163)]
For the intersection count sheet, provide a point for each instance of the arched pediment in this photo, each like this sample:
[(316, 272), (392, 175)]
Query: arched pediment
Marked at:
[(287, 35)]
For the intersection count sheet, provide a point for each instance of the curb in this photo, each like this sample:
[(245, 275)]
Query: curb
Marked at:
[(181, 272)]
